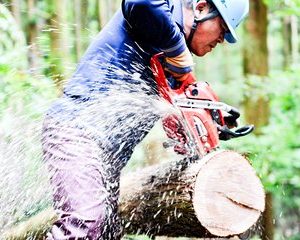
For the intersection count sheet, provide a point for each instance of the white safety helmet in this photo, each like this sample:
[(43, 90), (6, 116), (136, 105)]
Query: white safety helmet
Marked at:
[(232, 11)]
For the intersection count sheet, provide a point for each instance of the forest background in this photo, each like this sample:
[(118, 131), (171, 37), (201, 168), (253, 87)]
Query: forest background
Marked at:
[(42, 40)]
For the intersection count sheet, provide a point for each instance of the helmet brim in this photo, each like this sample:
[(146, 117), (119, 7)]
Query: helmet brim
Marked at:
[(230, 36)]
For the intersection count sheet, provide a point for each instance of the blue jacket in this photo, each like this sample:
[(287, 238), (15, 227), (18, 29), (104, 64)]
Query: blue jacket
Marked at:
[(139, 30)]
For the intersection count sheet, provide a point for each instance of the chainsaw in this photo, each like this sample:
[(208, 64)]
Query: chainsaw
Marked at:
[(200, 122)]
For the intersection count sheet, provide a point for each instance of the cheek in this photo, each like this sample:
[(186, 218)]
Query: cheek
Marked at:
[(200, 49), (205, 35), (200, 44), (210, 31)]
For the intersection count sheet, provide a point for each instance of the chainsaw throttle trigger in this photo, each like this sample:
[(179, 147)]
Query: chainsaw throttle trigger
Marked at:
[(225, 133)]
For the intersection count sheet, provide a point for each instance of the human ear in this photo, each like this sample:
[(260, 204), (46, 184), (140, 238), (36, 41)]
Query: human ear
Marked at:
[(201, 5)]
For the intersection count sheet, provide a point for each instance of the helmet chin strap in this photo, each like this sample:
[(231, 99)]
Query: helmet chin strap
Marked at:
[(212, 14)]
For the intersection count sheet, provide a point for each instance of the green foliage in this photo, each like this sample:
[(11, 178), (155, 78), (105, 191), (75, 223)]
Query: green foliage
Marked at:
[(23, 102), (284, 7), (275, 153), (12, 41), (22, 93)]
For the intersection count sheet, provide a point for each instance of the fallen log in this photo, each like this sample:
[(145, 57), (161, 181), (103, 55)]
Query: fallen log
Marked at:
[(219, 195), (220, 191)]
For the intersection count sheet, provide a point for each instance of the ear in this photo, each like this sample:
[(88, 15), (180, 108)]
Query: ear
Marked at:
[(201, 5)]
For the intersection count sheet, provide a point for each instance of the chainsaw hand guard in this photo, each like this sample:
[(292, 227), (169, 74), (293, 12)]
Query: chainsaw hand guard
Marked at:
[(225, 133)]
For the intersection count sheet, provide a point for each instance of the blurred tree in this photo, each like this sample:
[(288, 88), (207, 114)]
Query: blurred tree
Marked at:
[(295, 38), (287, 41), (12, 42), (32, 34), (59, 47), (255, 64), (106, 10), (81, 20), (15, 7), (256, 70)]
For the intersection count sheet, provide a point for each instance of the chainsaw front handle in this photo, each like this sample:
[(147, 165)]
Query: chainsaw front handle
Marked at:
[(234, 113), (226, 133)]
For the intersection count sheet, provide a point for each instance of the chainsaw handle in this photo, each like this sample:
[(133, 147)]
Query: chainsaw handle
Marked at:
[(243, 131), (234, 113), (226, 133)]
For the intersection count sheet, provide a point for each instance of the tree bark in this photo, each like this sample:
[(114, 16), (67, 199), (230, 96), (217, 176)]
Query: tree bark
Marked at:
[(78, 28), (256, 64), (58, 45), (219, 195), (295, 39), (104, 12), (16, 11), (267, 220), (81, 20), (221, 191), (107, 8), (256, 104), (287, 41), (32, 34)]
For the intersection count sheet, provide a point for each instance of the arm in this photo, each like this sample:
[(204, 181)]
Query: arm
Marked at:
[(152, 22)]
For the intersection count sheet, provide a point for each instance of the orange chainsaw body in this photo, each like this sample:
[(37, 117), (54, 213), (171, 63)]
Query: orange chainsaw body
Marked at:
[(199, 123)]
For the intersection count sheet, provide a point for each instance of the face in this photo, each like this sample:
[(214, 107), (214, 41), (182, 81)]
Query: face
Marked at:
[(207, 35)]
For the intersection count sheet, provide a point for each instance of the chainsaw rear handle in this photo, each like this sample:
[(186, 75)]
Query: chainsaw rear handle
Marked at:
[(226, 133)]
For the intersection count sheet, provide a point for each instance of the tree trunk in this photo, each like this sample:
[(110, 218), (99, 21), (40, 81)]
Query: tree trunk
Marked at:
[(32, 34), (287, 41), (78, 28), (295, 39), (58, 45), (221, 191), (107, 8), (256, 67), (267, 220), (16, 11), (256, 50), (256, 64), (103, 12), (80, 12)]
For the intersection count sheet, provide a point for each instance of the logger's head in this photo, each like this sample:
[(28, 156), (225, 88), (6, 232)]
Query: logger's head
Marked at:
[(212, 21)]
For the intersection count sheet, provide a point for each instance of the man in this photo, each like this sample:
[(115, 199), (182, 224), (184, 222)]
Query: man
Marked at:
[(109, 105)]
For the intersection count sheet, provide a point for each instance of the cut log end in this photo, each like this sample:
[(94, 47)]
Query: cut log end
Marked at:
[(228, 196)]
